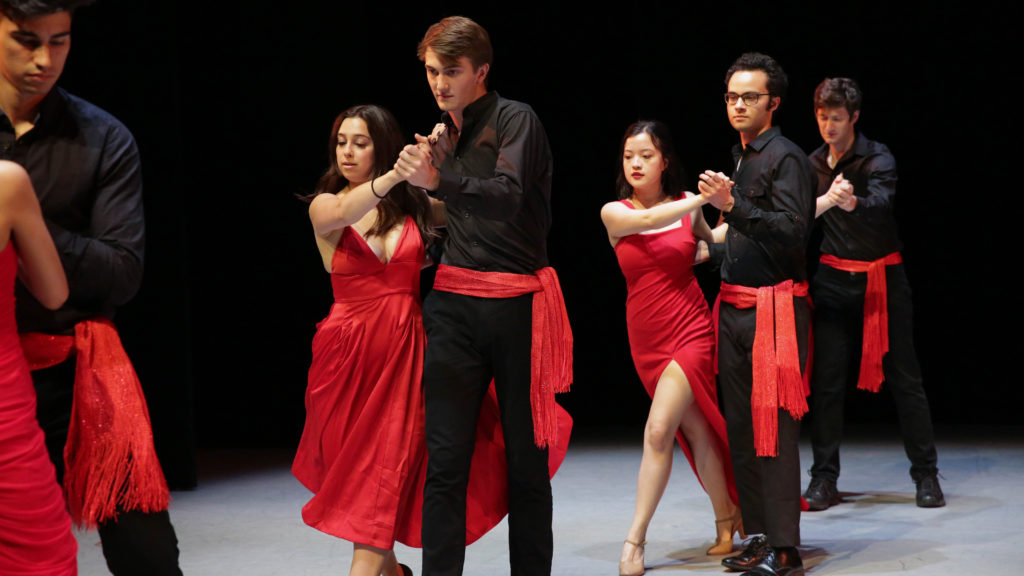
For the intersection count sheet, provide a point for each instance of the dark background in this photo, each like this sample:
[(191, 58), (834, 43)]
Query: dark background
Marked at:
[(232, 105)]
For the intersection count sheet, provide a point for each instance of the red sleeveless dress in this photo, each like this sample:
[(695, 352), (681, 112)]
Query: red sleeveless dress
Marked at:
[(35, 528), (667, 318), (362, 451)]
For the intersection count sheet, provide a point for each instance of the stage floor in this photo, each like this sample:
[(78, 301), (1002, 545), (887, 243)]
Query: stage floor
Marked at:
[(243, 519)]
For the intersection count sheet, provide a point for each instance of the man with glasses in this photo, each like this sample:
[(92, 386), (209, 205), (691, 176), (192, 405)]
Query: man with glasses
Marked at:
[(862, 298), (763, 315)]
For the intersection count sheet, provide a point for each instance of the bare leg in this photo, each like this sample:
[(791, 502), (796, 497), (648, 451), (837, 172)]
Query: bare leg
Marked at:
[(710, 463), (671, 396), (370, 561)]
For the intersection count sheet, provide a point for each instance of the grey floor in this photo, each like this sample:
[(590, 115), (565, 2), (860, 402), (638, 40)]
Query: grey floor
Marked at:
[(243, 519)]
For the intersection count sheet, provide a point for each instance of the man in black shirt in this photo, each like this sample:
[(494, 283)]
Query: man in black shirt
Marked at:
[(492, 292), (764, 317), (84, 166), (862, 300)]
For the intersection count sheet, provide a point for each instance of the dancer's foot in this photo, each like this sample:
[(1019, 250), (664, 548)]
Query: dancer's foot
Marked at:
[(726, 527), (632, 561)]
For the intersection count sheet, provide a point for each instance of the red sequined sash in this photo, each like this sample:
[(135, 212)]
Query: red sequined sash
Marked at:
[(777, 382), (551, 345), (875, 342), (109, 455)]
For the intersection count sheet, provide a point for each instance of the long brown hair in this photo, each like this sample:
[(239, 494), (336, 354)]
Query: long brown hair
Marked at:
[(387, 140)]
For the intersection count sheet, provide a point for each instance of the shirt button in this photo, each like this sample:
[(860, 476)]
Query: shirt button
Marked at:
[(465, 214), (475, 243)]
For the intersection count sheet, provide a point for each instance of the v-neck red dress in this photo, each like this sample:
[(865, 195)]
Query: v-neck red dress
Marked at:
[(362, 451)]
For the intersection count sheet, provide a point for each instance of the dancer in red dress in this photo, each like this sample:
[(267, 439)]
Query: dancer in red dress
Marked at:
[(653, 230), (362, 451), (35, 528)]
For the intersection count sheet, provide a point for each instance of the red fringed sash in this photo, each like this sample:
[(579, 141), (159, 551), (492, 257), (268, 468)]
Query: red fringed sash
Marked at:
[(777, 381), (109, 456), (875, 342), (551, 346)]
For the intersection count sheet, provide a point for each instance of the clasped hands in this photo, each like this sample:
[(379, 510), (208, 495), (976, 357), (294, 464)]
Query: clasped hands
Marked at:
[(415, 162), (716, 188), (840, 194)]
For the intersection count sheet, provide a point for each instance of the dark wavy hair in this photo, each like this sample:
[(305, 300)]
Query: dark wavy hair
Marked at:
[(672, 178), (387, 143), (778, 82), (26, 9), (836, 92)]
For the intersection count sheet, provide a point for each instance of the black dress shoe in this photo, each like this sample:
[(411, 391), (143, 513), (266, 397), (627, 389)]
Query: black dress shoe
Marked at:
[(929, 493), (821, 494), (751, 555), (778, 562)]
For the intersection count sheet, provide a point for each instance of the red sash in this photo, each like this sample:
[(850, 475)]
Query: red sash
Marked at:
[(875, 342), (551, 344), (777, 381), (109, 456)]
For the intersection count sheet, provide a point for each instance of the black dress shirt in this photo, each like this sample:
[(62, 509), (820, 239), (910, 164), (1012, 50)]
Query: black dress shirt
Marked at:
[(772, 215), (869, 232), (495, 181), (85, 168)]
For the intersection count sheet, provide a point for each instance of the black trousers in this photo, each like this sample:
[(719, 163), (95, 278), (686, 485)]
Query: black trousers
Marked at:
[(471, 340), (769, 488), (136, 543), (838, 334)]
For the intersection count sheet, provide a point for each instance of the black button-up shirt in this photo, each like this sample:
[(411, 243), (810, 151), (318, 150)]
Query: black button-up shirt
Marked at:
[(495, 181), (84, 166), (869, 232), (772, 215)]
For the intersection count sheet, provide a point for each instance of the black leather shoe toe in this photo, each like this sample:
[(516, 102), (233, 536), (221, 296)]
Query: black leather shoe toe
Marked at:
[(821, 494), (778, 562), (750, 557), (929, 493)]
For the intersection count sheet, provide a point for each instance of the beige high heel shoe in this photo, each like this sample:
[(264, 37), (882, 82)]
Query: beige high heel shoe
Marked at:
[(633, 568), (723, 544)]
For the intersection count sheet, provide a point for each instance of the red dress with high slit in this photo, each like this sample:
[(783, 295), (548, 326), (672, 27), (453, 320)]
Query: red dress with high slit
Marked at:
[(667, 318), (35, 528), (362, 451)]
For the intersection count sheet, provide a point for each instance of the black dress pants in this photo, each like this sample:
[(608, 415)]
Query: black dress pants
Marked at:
[(135, 543), (768, 487), (471, 340), (838, 335)]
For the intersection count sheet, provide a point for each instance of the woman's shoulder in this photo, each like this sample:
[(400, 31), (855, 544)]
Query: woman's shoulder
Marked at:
[(14, 182)]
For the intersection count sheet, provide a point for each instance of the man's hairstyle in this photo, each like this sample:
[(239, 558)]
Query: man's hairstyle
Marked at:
[(454, 37), (27, 9), (836, 92), (777, 80)]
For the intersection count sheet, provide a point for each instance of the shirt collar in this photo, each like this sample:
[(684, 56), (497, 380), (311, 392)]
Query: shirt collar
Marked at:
[(472, 113), (764, 138)]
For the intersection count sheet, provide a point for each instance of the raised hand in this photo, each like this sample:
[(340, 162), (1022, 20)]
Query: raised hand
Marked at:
[(716, 187)]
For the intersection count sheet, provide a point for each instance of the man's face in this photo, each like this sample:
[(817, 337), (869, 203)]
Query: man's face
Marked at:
[(455, 85), (33, 51), (749, 119), (837, 126)]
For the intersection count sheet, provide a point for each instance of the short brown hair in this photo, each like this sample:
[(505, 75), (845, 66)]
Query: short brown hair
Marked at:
[(454, 37), (836, 92)]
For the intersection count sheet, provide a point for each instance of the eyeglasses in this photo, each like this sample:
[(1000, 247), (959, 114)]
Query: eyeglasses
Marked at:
[(749, 98)]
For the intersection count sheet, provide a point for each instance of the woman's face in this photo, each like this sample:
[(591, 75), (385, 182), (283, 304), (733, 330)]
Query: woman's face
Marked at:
[(355, 151), (642, 162)]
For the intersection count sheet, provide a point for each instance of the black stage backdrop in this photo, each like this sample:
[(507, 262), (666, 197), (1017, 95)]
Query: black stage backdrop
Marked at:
[(232, 104)]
